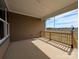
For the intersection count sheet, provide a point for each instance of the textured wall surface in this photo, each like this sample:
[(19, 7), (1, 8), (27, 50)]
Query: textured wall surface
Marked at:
[(24, 27)]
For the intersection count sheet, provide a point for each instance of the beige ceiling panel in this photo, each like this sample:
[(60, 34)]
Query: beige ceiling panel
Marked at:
[(37, 8)]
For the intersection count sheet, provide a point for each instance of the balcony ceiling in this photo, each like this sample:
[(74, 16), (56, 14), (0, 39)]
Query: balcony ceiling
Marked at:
[(37, 8)]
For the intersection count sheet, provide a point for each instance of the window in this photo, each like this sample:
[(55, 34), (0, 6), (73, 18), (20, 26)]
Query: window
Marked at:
[(4, 26), (1, 29), (66, 20), (2, 14), (2, 10)]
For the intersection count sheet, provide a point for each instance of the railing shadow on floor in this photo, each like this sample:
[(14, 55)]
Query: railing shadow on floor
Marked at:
[(64, 40)]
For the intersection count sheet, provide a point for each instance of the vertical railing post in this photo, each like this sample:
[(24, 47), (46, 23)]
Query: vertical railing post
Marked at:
[(72, 37), (44, 33), (68, 39), (50, 35), (61, 37), (40, 33)]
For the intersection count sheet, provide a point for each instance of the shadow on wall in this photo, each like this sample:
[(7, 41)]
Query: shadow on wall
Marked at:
[(24, 50)]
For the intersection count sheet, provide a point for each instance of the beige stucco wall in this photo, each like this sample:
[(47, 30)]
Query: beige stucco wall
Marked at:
[(3, 48), (24, 27)]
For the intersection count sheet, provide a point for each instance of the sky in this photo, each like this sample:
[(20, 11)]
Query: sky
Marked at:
[(65, 20)]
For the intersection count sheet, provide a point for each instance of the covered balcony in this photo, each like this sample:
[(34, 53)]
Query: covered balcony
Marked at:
[(38, 29)]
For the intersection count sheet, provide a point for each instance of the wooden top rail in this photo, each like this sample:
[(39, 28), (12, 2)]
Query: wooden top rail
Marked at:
[(58, 32)]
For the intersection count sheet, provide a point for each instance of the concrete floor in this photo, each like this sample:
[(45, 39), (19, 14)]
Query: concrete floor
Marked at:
[(36, 49)]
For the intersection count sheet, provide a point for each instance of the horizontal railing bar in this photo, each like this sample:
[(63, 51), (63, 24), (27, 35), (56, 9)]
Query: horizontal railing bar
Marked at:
[(57, 32)]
